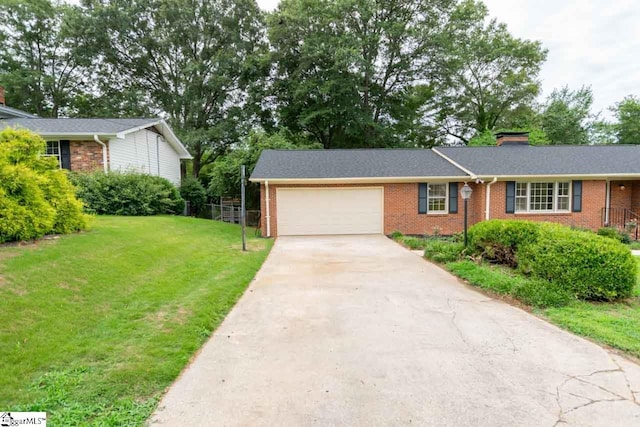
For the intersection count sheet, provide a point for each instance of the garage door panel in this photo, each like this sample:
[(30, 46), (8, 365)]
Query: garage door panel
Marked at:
[(329, 211)]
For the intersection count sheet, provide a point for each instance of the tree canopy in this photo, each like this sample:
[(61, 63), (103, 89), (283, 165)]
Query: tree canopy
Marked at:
[(340, 73)]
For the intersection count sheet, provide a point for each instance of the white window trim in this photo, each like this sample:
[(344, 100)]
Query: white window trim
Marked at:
[(446, 198), (555, 198), (59, 156)]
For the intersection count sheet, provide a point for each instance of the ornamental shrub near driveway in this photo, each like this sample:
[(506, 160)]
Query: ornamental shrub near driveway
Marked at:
[(499, 240), (586, 265), (591, 267)]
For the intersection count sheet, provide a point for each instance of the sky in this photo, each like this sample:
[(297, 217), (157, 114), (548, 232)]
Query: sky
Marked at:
[(590, 42)]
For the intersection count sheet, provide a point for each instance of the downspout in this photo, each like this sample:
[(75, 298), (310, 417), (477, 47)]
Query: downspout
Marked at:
[(268, 216), (487, 207), (104, 152), (607, 203)]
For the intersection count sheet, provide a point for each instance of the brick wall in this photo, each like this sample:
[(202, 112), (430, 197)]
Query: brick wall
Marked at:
[(401, 208), (85, 156), (621, 199), (635, 197), (593, 200)]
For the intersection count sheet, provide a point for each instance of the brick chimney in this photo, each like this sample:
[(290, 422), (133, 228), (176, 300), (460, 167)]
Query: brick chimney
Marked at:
[(512, 138), (2, 97)]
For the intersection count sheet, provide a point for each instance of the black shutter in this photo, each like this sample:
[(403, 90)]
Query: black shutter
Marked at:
[(422, 198), (576, 206), (453, 197), (65, 155), (511, 197)]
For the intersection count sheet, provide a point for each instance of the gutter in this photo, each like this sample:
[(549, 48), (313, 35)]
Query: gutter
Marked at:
[(268, 216), (487, 208), (104, 152)]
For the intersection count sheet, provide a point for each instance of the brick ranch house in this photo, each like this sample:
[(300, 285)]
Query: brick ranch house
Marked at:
[(141, 145), (417, 191)]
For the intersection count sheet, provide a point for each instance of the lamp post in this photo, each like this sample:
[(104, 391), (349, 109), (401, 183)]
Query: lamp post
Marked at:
[(466, 194)]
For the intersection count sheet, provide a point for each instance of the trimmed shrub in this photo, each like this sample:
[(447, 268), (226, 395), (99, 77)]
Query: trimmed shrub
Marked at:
[(131, 194), (613, 233), (36, 198), (192, 191), (443, 251), (589, 266), (499, 240)]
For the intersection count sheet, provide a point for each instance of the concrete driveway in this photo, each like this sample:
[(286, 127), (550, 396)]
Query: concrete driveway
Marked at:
[(358, 331)]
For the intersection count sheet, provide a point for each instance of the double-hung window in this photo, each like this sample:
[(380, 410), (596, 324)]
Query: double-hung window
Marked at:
[(542, 196), (437, 198), (53, 150)]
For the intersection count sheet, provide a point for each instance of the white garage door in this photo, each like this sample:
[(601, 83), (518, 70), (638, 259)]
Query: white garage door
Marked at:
[(313, 211)]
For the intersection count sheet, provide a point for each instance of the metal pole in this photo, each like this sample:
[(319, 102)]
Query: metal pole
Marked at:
[(465, 222), (243, 214)]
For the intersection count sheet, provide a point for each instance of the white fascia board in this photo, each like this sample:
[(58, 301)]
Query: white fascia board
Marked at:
[(586, 177), (73, 135), (362, 180)]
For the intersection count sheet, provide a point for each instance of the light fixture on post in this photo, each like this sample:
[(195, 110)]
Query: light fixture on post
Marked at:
[(466, 194)]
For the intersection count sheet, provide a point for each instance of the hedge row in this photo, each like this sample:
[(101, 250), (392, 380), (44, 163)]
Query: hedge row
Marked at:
[(589, 266), (132, 194)]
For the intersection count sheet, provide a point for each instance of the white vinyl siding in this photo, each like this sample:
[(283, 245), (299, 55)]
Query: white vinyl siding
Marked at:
[(317, 211), (147, 152), (542, 196)]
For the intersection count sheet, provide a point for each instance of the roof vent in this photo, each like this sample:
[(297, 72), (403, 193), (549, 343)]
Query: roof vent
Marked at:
[(512, 138), (2, 97)]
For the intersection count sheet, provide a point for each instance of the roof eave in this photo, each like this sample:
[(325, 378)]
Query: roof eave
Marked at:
[(360, 180)]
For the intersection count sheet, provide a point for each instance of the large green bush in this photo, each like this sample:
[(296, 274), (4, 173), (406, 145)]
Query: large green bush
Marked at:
[(192, 191), (132, 194), (36, 198), (499, 240), (591, 267)]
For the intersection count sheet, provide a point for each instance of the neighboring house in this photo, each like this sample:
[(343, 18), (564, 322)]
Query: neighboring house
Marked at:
[(142, 145), (417, 191)]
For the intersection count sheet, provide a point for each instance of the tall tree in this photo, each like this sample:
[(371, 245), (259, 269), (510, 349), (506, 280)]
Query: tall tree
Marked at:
[(353, 72), (194, 59), (627, 129), (485, 75), (44, 61), (566, 117)]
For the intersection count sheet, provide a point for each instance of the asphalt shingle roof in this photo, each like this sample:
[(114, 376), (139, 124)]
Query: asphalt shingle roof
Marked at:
[(71, 126), (521, 160), (388, 163), (8, 112)]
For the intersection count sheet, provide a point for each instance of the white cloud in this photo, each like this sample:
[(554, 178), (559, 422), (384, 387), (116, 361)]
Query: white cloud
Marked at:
[(594, 42)]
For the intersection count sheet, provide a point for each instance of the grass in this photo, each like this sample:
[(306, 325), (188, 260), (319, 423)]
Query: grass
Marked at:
[(614, 324), (503, 281), (95, 326)]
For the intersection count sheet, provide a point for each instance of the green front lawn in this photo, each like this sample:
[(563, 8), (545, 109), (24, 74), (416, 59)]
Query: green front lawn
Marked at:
[(94, 326)]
